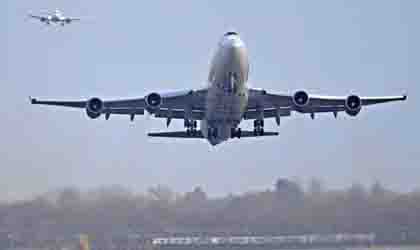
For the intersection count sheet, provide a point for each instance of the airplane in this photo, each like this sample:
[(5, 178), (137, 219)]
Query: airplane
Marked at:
[(224, 103), (56, 17)]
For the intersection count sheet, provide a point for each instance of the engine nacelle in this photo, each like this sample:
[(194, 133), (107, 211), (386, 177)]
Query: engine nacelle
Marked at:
[(353, 105), (153, 101), (94, 107), (301, 98)]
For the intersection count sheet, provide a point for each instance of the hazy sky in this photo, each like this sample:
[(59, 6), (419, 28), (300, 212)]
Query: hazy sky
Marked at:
[(130, 48)]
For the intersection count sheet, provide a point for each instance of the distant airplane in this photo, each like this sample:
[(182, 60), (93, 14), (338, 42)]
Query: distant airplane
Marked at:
[(56, 17), (227, 101)]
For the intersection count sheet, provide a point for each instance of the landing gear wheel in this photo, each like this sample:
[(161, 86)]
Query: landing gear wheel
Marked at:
[(258, 127), (191, 127)]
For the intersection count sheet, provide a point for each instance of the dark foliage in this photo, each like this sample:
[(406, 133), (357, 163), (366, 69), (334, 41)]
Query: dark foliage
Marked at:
[(287, 209)]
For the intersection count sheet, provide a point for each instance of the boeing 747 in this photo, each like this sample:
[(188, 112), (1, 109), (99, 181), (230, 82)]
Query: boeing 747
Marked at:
[(226, 101), (55, 17)]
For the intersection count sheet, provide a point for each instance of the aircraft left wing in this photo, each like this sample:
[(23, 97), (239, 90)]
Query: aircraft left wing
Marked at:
[(187, 104), (265, 105)]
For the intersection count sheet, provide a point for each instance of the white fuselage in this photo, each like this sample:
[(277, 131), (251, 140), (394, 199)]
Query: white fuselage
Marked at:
[(228, 92)]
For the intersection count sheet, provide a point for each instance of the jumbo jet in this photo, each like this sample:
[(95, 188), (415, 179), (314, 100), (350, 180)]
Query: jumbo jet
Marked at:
[(56, 17), (224, 103)]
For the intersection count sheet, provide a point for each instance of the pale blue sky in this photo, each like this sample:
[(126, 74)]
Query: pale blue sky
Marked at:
[(129, 48)]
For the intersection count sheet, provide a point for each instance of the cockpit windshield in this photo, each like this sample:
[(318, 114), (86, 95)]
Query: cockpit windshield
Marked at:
[(231, 33)]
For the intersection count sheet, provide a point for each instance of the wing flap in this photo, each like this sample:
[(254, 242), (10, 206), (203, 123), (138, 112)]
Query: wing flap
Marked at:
[(124, 111), (268, 113), (321, 109), (179, 114), (259, 98)]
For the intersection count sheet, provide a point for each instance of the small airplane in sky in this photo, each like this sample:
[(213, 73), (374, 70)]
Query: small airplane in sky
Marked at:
[(226, 101), (56, 17)]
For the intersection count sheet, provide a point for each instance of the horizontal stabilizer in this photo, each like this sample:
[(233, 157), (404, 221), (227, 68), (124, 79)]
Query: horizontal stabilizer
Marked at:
[(177, 134), (198, 134), (251, 134)]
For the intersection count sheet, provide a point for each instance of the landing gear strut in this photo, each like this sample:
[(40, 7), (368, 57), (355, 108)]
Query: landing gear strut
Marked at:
[(191, 127), (212, 132), (258, 127)]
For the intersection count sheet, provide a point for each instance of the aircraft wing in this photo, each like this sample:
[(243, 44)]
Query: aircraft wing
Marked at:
[(71, 19), (42, 18), (187, 104), (262, 104)]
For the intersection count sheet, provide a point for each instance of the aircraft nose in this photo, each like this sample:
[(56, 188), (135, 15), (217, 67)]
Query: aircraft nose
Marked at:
[(231, 39), (231, 33)]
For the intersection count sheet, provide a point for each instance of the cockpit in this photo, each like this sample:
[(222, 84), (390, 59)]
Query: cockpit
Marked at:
[(231, 33)]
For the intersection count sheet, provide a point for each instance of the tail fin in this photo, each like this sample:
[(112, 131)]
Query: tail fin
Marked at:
[(84, 242)]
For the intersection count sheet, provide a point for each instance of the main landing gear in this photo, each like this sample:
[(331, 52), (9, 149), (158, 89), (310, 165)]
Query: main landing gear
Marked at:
[(258, 127), (191, 127), (235, 133)]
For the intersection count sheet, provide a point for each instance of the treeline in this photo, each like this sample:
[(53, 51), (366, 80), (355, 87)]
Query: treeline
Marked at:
[(286, 208)]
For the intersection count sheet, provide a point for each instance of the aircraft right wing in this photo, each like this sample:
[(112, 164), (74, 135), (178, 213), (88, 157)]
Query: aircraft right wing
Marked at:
[(187, 104)]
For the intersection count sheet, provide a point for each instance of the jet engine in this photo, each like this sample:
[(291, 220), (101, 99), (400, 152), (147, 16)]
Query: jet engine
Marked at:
[(301, 98), (353, 105), (94, 107), (153, 101)]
